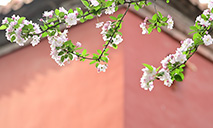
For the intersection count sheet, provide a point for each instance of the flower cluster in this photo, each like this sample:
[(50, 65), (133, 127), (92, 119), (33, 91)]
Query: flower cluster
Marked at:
[(101, 68), (20, 30), (172, 65), (61, 15), (170, 22), (94, 2), (148, 77), (57, 43), (203, 23), (106, 29), (156, 22), (110, 10)]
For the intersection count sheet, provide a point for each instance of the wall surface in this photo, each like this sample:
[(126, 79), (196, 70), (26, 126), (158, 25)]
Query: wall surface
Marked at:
[(186, 104), (36, 93)]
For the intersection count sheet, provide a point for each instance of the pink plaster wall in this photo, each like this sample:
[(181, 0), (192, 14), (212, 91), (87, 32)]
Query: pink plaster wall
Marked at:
[(36, 93), (187, 104)]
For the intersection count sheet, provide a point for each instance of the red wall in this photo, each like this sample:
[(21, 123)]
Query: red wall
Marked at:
[(186, 104), (36, 93)]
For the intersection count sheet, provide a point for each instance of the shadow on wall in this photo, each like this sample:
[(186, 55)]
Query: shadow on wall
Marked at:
[(19, 68)]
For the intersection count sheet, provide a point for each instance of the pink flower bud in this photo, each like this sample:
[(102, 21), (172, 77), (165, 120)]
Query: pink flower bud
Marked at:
[(146, 19), (169, 16), (41, 20)]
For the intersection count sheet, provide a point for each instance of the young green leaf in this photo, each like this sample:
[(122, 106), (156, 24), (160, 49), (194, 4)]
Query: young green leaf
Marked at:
[(92, 62), (84, 52), (148, 66), (3, 27), (159, 29)]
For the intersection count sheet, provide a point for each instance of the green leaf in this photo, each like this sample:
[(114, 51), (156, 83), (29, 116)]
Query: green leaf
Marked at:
[(193, 28), (113, 18), (191, 32), (92, 62), (44, 34), (85, 3), (3, 27), (13, 38), (62, 58), (96, 65), (61, 14), (70, 56), (158, 68), (70, 11), (179, 77), (21, 19), (149, 3), (95, 56), (148, 66), (149, 30), (30, 26), (164, 19), (151, 21), (57, 12), (60, 53), (159, 29), (84, 52), (155, 17), (105, 59), (119, 33), (68, 43), (121, 1), (82, 20), (167, 1), (79, 11), (89, 17), (136, 7), (107, 50), (52, 20), (99, 51), (160, 15), (114, 46), (196, 35), (183, 65), (119, 16)]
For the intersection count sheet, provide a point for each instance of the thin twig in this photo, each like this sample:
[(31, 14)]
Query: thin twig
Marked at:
[(114, 32)]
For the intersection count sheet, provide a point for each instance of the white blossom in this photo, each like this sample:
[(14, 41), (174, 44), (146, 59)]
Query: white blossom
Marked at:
[(94, 2), (102, 68), (165, 61), (148, 78), (179, 57), (5, 21), (206, 12), (166, 78), (143, 26), (98, 25), (111, 9), (62, 9), (35, 40), (210, 4), (78, 44), (71, 19), (187, 43), (48, 14), (204, 22), (207, 39), (117, 40), (170, 22)]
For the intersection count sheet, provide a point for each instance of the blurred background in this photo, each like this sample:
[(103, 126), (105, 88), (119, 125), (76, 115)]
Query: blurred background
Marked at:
[(37, 93)]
